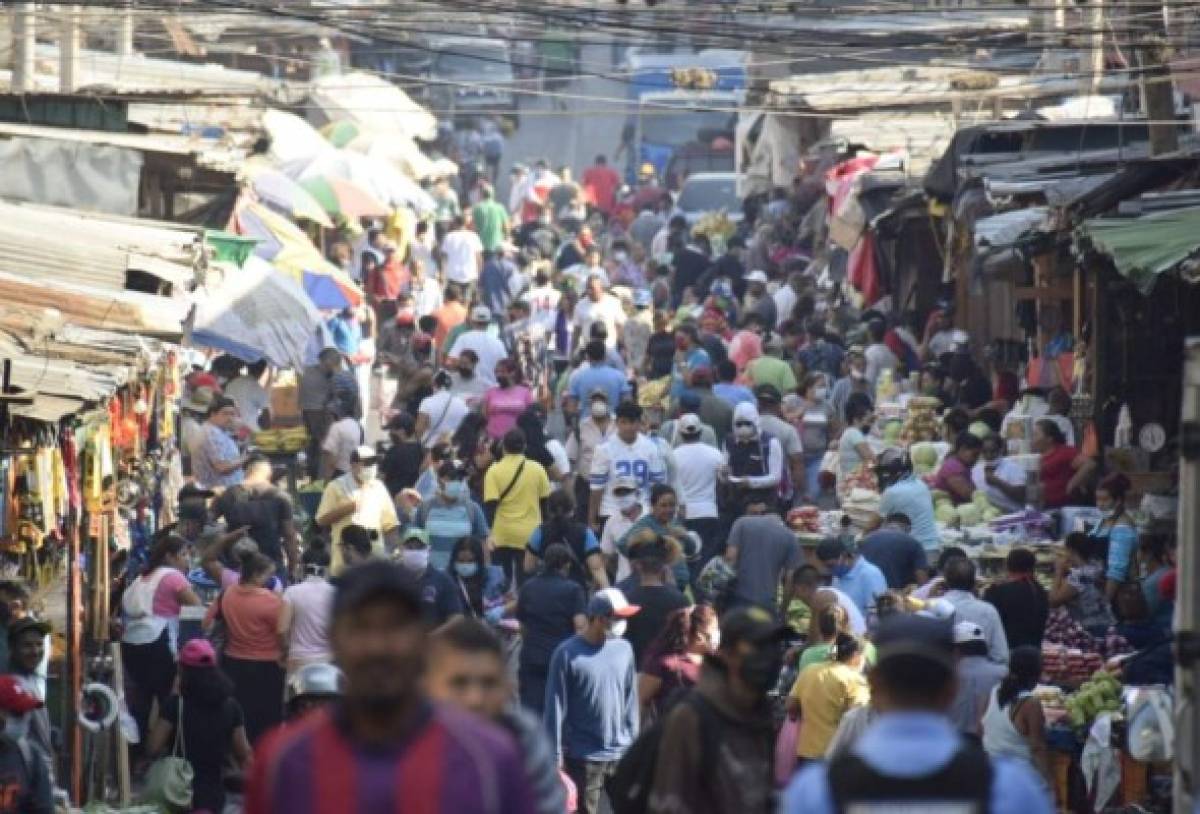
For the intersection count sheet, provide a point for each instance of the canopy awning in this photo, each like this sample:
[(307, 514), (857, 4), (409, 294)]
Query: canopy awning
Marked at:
[(1143, 248)]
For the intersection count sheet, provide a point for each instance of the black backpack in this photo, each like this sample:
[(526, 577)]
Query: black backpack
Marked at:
[(966, 779), (629, 787)]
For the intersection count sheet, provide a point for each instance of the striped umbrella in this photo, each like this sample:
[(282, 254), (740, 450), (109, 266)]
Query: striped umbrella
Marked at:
[(338, 196)]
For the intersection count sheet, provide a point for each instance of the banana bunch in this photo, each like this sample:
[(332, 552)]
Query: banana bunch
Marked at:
[(288, 439)]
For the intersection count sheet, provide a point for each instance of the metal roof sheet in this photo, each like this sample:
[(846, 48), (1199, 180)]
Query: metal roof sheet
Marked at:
[(209, 153)]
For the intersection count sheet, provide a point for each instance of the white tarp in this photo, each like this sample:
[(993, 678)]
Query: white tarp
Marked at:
[(373, 103), (95, 177)]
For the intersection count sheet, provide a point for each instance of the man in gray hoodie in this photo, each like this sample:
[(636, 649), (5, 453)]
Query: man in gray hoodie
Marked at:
[(466, 669)]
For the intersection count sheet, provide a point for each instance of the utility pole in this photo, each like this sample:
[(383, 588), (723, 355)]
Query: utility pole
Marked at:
[(24, 46), (1096, 26), (1158, 91), (68, 49), (125, 32)]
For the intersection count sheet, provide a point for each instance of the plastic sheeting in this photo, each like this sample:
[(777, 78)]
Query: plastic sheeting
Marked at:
[(95, 177)]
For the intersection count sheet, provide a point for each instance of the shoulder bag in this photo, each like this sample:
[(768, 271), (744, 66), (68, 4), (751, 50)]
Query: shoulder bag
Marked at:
[(169, 779)]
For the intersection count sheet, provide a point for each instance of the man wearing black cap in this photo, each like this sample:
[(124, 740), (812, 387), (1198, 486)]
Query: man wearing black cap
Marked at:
[(770, 419), (911, 756), (717, 748), (383, 746)]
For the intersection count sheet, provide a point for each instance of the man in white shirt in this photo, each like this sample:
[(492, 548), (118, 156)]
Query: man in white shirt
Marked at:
[(770, 418), (488, 349), (627, 454), (464, 382), (582, 272), (343, 437), (629, 509), (786, 297), (696, 465), (249, 395), (439, 415), (599, 306), (463, 253), (543, 299), (1001, 479)]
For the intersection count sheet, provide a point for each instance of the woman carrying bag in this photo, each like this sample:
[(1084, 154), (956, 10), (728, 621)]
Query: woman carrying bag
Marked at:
[(201, 726)]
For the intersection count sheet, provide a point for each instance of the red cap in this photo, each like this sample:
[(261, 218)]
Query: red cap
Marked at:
[(202, 379), (15, 698)]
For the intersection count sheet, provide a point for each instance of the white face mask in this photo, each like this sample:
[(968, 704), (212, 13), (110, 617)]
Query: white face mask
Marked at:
[(626, 502), (599, 409), (367, 474), (617, 629), (415, 559), (744, 431), (821, 393), (714, 638)]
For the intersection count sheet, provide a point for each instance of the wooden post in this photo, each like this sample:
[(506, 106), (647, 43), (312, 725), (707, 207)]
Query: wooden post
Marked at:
[(74, 661)]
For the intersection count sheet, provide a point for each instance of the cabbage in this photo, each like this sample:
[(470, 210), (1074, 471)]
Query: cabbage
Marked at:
[(944, 513), (990, 514), (891, 431), (939, 496), (980, 499), (969, 514), (924, 455)]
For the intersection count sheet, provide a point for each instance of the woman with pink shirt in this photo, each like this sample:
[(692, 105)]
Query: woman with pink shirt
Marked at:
[(954, 475), (151, 605), (508, 399), (252, 654)]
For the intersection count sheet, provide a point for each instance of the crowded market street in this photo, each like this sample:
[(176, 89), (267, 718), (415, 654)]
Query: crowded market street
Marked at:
[(635, 407)]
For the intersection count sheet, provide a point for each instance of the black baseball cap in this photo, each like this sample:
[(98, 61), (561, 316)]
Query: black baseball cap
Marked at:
[(831, 548), (752, 624), (27, 623), (916, 636), (376, 580), (768, 392)]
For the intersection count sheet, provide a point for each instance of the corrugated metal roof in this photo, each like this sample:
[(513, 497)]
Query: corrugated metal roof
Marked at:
[(206, 152), (87, 249), (923, 136)]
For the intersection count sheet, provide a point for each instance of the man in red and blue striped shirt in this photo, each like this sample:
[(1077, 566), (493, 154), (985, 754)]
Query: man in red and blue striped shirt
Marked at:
[(385, 747)]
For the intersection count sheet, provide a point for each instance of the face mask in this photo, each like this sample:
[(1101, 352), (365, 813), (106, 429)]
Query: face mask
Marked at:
[(599, 409), (466, 570), (714, 638), (367, 474), (617, 629), (620, 257), (760, 670), (455, 490), (16, 727), (625, 502), (467, 373), (503, 381), (840, 570), (415, 559), (821, 393), (743, 431)]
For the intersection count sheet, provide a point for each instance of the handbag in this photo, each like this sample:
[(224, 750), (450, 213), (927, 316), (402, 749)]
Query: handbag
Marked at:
[(218, 634), (169, 779)]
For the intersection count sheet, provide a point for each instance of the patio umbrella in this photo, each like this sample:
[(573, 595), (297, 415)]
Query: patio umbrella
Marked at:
[(275, 188), (255, 312), (289, 249), (377, 176), (337, 196), (326, 291), (341, 132)]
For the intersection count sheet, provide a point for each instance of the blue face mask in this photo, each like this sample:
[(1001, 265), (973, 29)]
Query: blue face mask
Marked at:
[(455, 490), (466, 570), (840, 570)]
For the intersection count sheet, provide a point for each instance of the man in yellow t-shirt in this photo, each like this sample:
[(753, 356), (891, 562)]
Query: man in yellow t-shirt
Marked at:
[(358, 498), (513, 490)]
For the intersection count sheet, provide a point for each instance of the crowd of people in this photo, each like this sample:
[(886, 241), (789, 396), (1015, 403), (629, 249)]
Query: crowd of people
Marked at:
[(568, 571)]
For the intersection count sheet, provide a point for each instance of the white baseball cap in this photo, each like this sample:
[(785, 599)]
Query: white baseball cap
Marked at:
[(481, 313), (689, 424), (965, 632), (756, 276)]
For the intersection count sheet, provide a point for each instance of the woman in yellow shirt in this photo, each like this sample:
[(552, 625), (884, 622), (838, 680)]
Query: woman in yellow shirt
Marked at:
[(824, 693)]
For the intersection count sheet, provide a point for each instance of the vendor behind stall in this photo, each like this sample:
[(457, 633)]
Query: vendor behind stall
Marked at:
[(1000, 478), (1078, 581), (905, 494), (1064, 471), (1115, 534), (954, 476)]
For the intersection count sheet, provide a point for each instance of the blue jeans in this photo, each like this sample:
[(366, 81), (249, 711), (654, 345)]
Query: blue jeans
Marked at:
[(812, 477)]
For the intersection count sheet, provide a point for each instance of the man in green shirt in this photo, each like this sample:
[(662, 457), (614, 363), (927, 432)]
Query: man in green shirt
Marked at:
[(491, 220), (774, 371)]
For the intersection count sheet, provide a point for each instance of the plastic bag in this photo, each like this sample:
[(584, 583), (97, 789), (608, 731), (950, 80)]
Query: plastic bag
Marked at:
[(785, 751), (1151, 730)]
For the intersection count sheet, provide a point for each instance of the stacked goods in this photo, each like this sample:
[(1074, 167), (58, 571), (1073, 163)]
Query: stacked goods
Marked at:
[(1069, 666), (805, 519), (291, 439), (1101, 694), (715, 225), (862, 507), (922, 423)]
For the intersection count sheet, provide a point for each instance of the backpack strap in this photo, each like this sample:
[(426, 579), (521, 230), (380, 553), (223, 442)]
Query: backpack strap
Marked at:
[(967, 778)]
